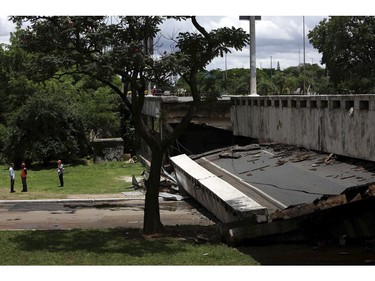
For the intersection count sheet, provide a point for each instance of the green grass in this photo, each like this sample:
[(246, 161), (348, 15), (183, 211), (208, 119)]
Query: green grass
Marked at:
[(177, 246), (114, 247), (107, 177)]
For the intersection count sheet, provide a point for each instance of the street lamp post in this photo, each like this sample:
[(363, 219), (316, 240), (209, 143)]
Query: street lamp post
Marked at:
[(253, 81), (271, 67), (304, 58)]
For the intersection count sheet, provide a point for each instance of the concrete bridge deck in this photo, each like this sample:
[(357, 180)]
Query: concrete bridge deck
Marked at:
[(292, 184), (286, 175)]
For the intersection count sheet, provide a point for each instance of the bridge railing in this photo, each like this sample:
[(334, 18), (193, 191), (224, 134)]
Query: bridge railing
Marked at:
[(337, 124)]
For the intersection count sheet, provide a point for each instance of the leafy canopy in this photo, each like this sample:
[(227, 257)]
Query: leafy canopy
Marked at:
[(347, 44), (47, 126)]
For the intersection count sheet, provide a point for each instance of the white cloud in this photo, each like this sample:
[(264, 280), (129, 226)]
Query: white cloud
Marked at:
[(278, 39), (278, 36), (5, 28), (269, 29)]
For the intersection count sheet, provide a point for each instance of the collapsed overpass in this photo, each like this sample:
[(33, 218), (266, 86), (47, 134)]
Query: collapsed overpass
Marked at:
[(311, 202), (337, 125)]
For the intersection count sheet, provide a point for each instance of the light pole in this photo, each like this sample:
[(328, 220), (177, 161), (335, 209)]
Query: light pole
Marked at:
[(271, 66), (225, 74), (226, 77), (253, 81), (304, 58), (150, 50)]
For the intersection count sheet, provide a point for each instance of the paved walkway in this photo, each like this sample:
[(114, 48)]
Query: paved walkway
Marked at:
[(93, 211)]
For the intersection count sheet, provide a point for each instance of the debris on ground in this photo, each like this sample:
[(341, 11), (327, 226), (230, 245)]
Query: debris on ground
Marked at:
[(145, 174), (136, 184), (229, 155), (246, 148), (351, 194), (168, 190), (172, 197), (132, 160), (330, 159), (237, 151), (302, 157)]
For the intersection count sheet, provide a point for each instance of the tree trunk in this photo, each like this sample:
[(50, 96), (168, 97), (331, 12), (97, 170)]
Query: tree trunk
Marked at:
[(151, 221)]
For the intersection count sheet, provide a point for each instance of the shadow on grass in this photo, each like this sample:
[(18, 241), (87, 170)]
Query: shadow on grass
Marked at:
[(119, 240)]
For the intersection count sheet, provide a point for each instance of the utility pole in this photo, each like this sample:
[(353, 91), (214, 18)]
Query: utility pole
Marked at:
[(253, 81), (271, 66), (150, 48), (225, 74), (304, 58)]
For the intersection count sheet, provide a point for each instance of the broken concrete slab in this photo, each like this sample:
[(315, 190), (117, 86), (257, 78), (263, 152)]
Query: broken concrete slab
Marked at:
[(328, 218), (216, 195)]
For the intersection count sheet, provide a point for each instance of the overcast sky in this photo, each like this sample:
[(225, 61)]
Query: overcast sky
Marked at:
[(279, 34), (278, 39)]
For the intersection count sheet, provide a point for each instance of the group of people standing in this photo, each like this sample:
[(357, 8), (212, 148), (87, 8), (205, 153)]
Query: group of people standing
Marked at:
[(12, 175)]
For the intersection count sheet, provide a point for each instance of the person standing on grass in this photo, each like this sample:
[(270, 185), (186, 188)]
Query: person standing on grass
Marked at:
[(24, 177), (60, 172), (12, 177)]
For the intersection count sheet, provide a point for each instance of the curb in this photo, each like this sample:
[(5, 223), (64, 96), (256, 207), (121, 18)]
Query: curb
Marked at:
[(94, 200)]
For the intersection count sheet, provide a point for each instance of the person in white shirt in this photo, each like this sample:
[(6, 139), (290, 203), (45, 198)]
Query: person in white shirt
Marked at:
[(12, 177)]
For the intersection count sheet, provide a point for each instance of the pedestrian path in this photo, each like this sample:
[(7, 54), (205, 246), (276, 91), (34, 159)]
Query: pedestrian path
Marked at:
[(134, 193), (85, 198)]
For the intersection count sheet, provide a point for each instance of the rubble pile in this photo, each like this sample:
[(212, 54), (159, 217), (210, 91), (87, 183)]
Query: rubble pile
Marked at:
[(325, 202)]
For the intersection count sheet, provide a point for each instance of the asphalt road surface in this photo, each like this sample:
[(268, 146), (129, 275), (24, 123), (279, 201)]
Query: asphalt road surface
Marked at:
[(72, 214), (295, 177)]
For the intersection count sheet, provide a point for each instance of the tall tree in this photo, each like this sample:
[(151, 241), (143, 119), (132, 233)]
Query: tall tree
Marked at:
[(93, 46), (36, 134), (15, 87), (48, 126), (347, 44), (278, 80), (99, 107)]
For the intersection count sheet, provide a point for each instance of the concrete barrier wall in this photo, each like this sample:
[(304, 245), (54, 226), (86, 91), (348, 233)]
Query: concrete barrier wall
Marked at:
[(344, 125), (172, 109), (106, 150), (153, 105)]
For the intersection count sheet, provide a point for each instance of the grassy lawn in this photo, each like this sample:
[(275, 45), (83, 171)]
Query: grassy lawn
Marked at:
[(179, 245), (117, 247), (107, 177)]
